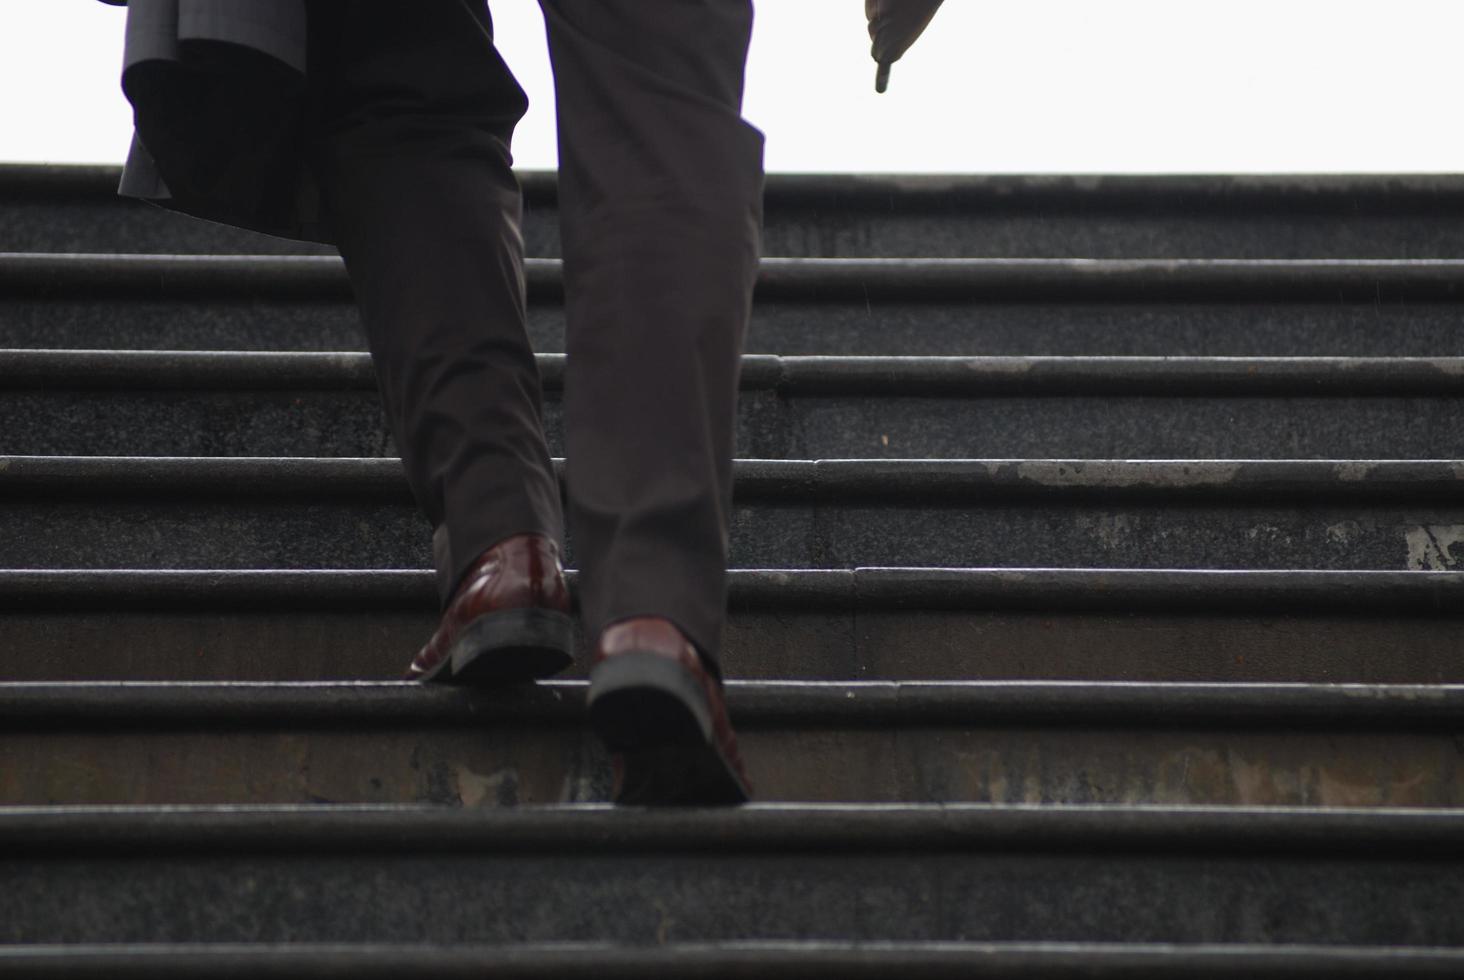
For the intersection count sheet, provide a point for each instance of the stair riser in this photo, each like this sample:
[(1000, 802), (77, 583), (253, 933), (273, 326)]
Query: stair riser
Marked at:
[(1032, 228), (349, 423), (505, 764), (781, 326), (656, 898), (790, 645), (283, 533)]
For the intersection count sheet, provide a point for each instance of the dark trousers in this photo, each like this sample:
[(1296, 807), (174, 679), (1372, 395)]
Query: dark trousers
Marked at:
[(660, 190)]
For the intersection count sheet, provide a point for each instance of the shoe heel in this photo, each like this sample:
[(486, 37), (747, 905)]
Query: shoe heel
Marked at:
[(644, 699), (513, 645), (653, 715)]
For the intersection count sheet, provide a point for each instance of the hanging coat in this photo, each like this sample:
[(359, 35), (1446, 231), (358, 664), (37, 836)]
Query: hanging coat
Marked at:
[(219, 101), (219, 104)]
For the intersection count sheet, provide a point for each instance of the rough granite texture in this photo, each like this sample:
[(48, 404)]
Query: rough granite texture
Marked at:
[(285, 533), (1260, 328), (931, 228), (514, 763), (349, 423), (808, 644), (654, 898), (1121, 875)]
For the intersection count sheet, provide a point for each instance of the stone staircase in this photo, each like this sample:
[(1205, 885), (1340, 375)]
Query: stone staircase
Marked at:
[(1096, 612)]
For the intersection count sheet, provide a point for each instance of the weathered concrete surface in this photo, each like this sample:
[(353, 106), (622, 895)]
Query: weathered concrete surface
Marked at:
[(915, 644), (349, 534), (773, 426), (843, 215), (808, 326), (776, 960), (1048, 743), (990, 875), (525, 765)]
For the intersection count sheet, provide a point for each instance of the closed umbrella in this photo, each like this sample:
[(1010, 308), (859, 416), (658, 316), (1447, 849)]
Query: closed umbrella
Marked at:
[(893, 27)]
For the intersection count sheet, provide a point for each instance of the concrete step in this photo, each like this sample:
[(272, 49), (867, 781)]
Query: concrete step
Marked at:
[(774, 960), (136, 512), (812, 306), (1035, 742), (74, 209), (177, 403), (905, 874), (869, 623)]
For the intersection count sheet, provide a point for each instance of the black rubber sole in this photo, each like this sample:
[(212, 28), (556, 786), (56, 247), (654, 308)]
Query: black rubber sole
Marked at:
[(512, 646), (651, 712)]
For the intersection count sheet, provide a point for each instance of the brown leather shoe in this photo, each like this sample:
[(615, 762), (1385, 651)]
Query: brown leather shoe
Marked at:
[(508, 621), (661, 714)]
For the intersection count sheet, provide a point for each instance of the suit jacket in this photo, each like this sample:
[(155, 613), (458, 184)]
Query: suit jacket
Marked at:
[(219, 100), (218, 92)]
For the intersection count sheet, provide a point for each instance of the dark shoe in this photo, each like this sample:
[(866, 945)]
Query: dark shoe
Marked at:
[(508, 621), (661, 714)]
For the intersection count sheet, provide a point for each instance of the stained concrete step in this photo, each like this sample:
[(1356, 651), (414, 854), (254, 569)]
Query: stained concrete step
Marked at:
[(812, 306), (171, 403), (868, 623), (1038, 742), (740, 960), (900, 874), (74, 209), (214, 512)]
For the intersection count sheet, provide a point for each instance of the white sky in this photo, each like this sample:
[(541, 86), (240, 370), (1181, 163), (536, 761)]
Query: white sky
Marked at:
[(1016, 86)]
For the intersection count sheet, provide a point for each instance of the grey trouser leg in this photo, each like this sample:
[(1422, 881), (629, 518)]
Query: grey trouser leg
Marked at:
[(413, 114), (660, 188), (660, 197)]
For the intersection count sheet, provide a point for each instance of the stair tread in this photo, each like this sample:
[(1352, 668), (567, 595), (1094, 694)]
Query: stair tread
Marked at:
[(68, 208), (1052, 589), (755, 704), (357, 512), (822, 279), (382, 477), (100, 180), (706, 961), (792, 375), (757, 826)]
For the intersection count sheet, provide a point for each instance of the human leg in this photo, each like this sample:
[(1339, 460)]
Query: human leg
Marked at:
[(660, 184), (412, 112), (660, 190)]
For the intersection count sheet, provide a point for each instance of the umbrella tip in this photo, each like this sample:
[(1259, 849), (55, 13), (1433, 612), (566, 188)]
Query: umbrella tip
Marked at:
[(882, 77)]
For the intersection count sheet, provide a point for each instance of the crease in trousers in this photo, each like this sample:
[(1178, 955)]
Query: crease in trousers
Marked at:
[(411, 119)]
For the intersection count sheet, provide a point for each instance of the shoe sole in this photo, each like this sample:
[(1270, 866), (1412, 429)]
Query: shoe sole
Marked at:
[(652, 712), (511, 646)]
